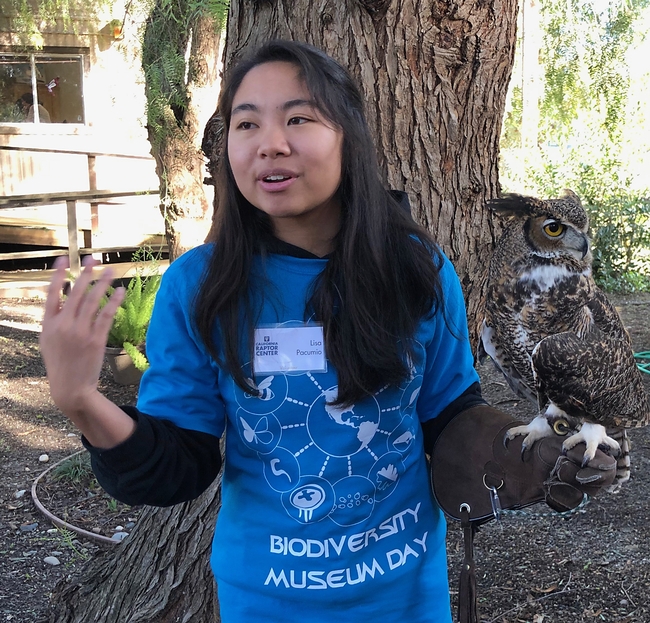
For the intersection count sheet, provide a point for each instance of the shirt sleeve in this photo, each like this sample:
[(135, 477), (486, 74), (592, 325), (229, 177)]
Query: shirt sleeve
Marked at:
[(449, 367), (432, 428), (160, 464), (182, 383)]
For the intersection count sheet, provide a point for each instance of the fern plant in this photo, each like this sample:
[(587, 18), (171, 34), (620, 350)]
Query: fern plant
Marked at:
[(131, 320)]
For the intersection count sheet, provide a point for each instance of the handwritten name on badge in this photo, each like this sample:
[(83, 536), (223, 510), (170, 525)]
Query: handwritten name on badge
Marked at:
[(290, 349)]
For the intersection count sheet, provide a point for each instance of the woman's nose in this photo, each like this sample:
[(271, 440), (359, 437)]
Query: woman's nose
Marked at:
[(274, 142)]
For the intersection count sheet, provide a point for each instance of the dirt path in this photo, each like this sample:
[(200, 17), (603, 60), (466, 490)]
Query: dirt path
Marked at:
[(592, 567)]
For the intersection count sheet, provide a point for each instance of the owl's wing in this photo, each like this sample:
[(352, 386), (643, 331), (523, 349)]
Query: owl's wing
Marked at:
[(595, 378), (508, 362), (606, 318)]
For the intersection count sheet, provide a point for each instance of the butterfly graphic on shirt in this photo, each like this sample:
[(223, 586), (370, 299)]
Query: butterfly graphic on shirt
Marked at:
[(258, 434)]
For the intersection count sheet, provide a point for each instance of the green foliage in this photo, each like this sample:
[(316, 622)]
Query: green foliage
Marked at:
[(620, 226), (29, 18), (131, 319), (167, 68), (564, 88), (69, 538), (584, 58), (619, 216), (133, 315), (75, 470), (138, 358), (9, 112), (591, 136), (511, 132)]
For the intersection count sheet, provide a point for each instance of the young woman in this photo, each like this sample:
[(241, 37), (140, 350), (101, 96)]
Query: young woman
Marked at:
[(323, 332)]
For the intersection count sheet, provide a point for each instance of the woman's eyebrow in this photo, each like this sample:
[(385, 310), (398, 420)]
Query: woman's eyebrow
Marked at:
[(298, 102), (246, 107)]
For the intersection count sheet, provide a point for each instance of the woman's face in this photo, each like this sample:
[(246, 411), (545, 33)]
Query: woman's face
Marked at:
[(285, 156)]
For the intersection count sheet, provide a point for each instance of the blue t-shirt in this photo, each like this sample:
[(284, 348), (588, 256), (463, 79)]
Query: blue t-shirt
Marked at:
[(327, 512)]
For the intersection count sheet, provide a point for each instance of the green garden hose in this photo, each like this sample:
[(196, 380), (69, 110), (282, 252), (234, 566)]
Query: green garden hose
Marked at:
[(643, 361)]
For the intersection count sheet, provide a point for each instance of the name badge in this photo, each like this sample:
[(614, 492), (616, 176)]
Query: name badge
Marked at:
[(290, 349)]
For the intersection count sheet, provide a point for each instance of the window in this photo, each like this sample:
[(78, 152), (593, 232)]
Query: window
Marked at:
[(41, 88)]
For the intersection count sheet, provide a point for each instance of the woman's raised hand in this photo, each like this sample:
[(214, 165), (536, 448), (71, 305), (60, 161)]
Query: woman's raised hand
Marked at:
[(74, 335)]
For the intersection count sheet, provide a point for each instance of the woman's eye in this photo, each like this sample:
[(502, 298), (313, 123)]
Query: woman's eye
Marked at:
[(554, 229), (245, 125), (297, 120)]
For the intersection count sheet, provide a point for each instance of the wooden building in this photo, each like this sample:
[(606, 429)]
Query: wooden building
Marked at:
[(72, 120)]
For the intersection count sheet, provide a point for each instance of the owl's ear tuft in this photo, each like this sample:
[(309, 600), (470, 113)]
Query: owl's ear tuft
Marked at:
[(514, 205), (571, 196)]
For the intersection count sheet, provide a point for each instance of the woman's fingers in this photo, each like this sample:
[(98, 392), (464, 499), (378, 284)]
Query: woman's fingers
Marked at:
[(53, 300), (81, 310), (79, 290), (90, 304), (105, 317)]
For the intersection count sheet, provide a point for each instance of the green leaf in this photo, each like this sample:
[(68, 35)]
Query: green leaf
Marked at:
[(139, 360), (132, 317)]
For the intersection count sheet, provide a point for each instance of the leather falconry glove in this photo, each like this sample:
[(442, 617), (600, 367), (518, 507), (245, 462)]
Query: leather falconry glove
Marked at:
[(474, 475), (470, 461)]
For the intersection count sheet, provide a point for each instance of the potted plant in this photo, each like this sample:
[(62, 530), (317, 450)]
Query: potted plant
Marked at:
[(125, 345)]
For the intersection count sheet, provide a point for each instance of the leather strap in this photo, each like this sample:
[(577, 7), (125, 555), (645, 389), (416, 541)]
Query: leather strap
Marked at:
[(467, 594)]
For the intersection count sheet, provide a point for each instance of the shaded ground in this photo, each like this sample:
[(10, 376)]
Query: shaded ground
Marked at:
[(30, 426), (591, 567)]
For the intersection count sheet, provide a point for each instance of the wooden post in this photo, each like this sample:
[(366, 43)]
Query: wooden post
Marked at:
[(73, 239), (94, 207)]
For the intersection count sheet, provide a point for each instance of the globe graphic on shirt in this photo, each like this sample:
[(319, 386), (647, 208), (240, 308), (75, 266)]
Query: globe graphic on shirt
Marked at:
[(342, 431)]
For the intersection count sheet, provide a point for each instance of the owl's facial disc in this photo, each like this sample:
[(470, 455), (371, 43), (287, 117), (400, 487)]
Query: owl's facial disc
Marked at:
[(552, 237)]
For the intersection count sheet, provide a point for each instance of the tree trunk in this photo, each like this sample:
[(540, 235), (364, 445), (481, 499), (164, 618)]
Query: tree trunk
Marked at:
[(159, 574), (435, 76), (180, 59)]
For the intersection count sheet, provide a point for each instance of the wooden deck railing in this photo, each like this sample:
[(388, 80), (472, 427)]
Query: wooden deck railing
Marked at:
[(94, 197)]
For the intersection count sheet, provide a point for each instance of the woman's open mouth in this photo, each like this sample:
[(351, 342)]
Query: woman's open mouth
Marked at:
[(275, 182)]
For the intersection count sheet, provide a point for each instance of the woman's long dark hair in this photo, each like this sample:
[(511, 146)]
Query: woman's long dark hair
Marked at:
[(382, 277)]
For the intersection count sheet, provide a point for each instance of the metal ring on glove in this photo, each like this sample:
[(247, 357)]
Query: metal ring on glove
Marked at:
[(485, 484), (561, 427)]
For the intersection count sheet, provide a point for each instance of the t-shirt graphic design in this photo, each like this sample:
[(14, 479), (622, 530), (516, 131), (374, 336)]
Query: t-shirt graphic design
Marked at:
[(324, 461)]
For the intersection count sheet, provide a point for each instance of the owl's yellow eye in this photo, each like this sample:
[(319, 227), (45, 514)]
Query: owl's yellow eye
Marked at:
[(554, 229)]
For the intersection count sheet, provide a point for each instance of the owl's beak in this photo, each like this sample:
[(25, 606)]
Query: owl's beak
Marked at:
[(577, 244)]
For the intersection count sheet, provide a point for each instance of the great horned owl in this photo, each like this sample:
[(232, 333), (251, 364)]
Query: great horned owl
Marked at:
[(555, 336)]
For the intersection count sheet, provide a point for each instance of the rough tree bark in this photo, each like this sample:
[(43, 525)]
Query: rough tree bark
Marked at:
[(159, 574), (435, 76)]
